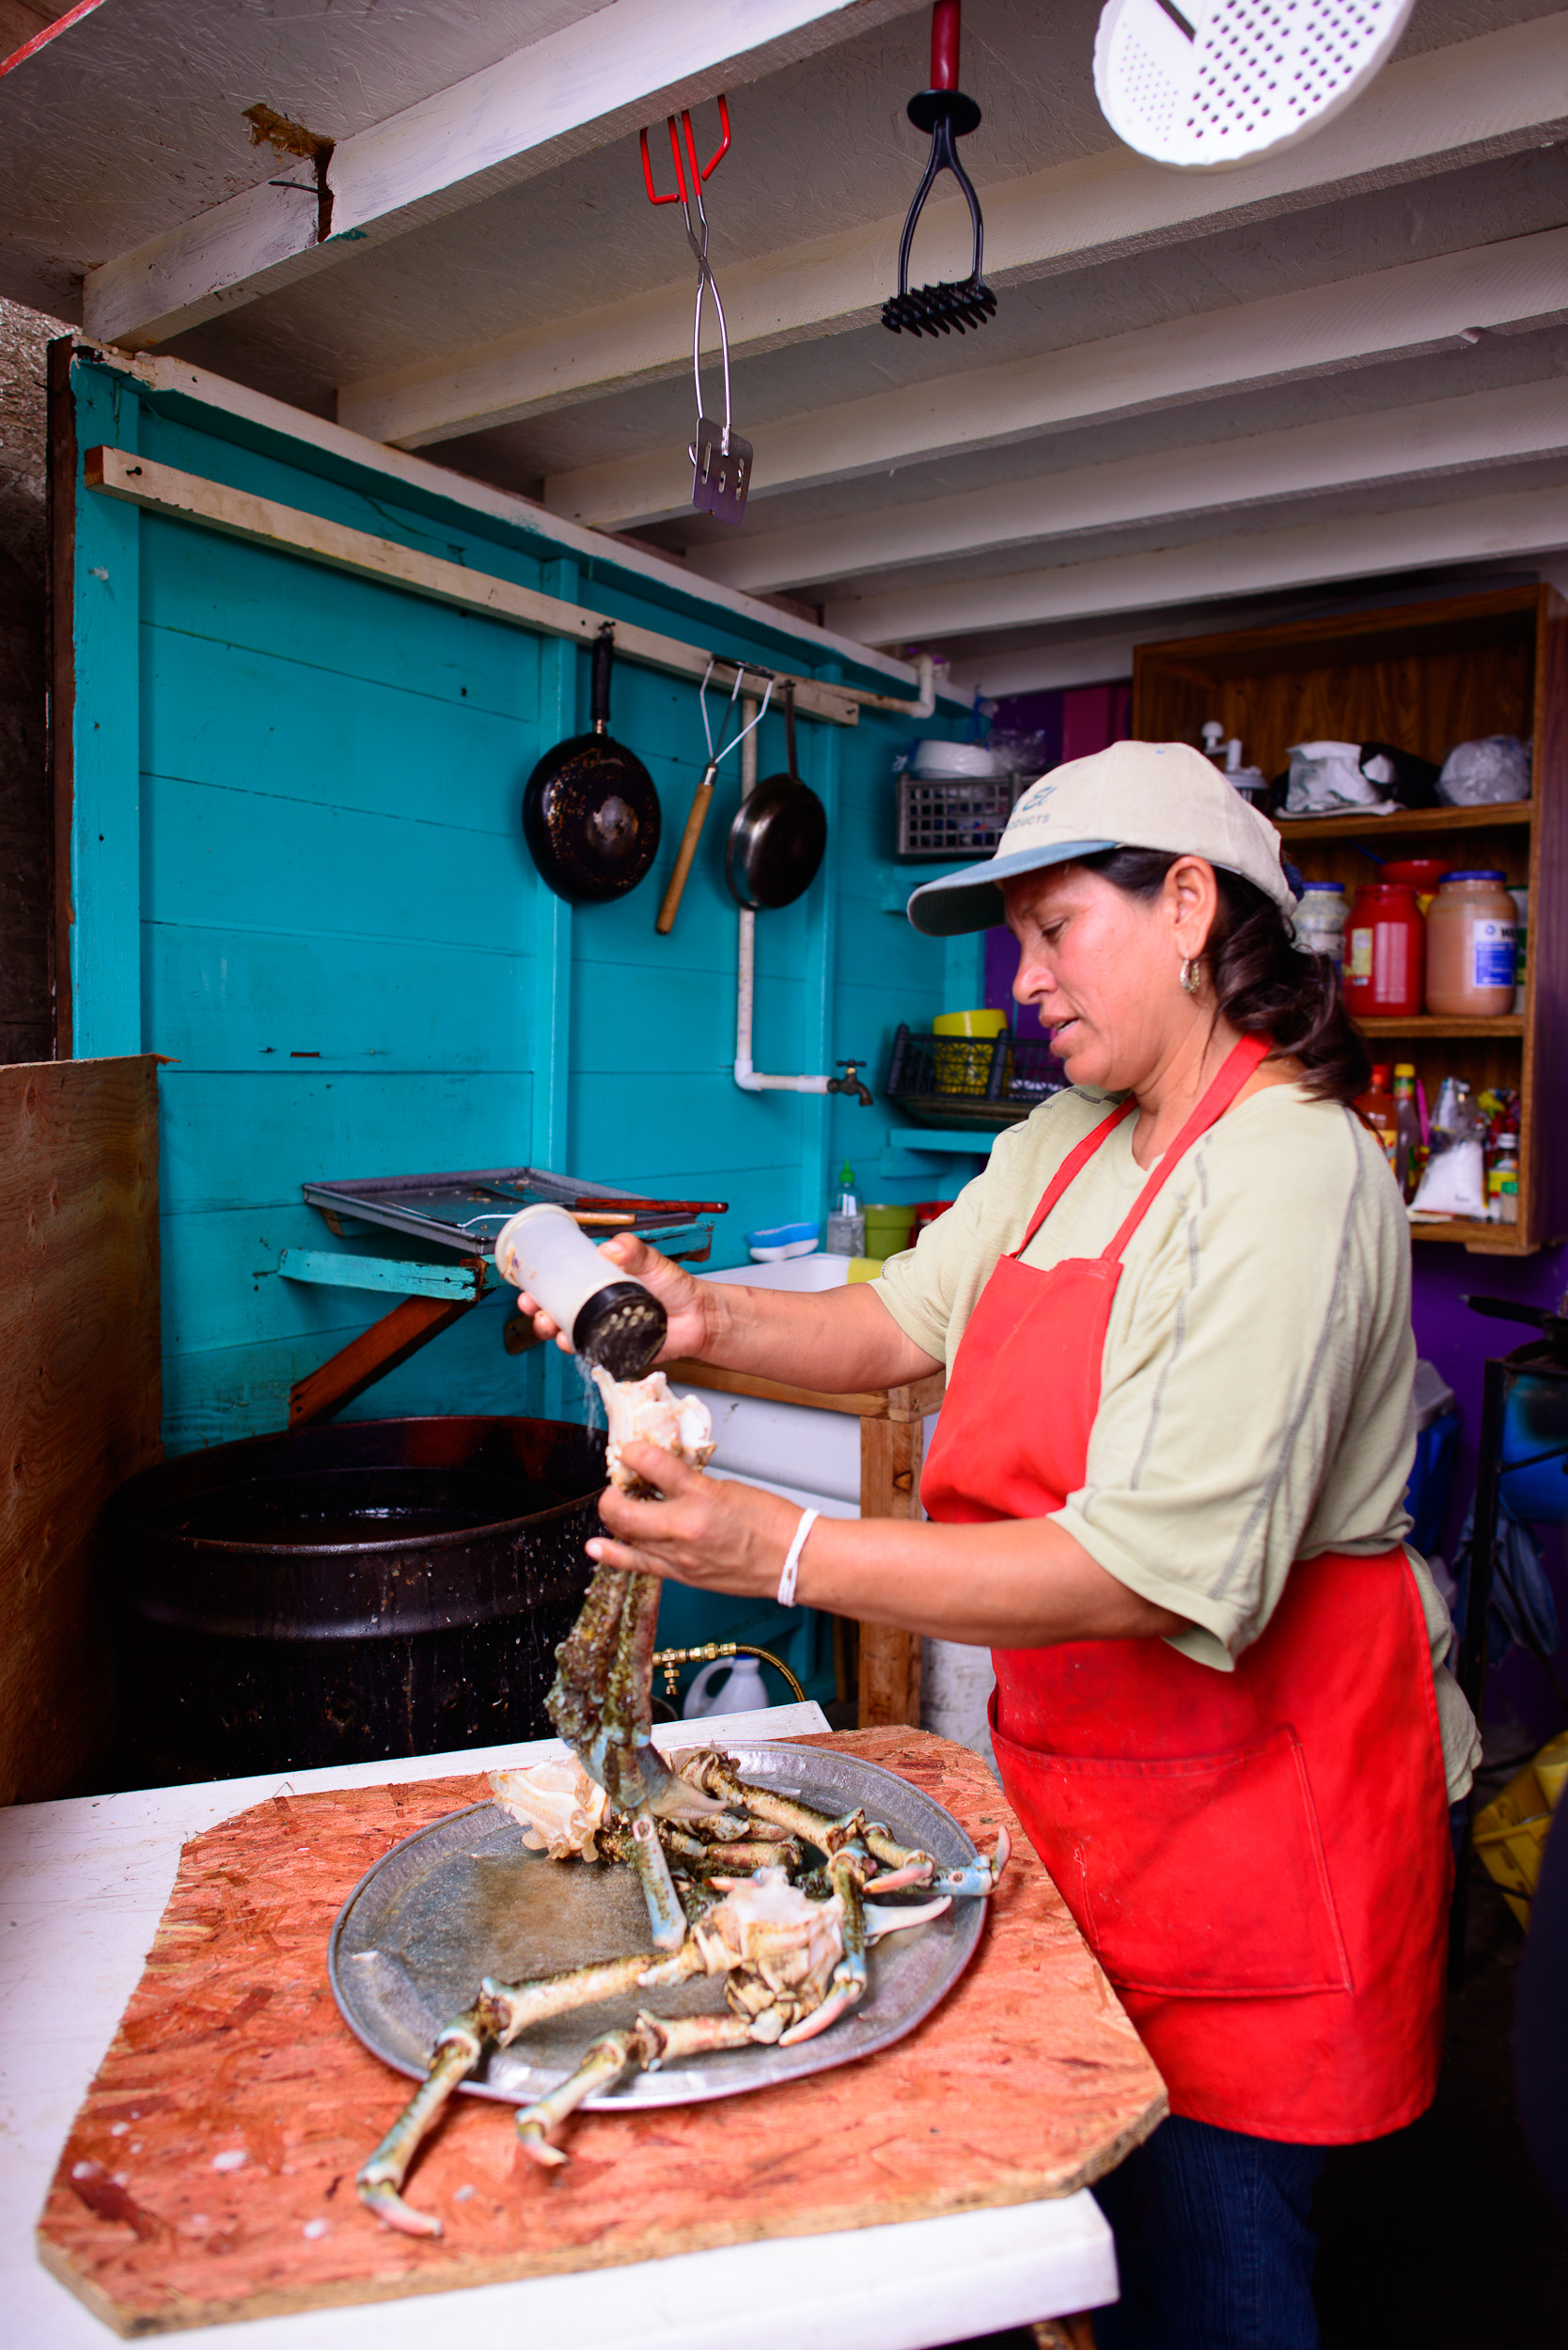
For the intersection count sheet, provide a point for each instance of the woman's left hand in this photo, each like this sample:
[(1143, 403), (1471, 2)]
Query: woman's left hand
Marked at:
[(710, 1531)]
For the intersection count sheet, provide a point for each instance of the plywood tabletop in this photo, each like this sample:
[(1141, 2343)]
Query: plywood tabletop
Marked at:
[(1027, 2082)]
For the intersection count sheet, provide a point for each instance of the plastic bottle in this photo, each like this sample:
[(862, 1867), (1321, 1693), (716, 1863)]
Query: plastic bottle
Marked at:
[(1503, 1181), (1378, 1108), (1320, 921), (846, 1225), (1472, 934), (1385, 952), (611, 1318), (1407, 1127)]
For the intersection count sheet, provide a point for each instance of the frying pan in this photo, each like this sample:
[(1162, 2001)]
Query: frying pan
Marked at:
[(779, 834), (591, 813)]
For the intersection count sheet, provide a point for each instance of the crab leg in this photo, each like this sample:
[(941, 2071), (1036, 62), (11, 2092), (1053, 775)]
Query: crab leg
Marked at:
[(606, 2060), (847, 1984), (712, 1772), (456, 2054)]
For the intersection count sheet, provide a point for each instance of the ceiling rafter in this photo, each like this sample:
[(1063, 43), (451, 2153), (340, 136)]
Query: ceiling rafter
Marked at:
[(1519, 522), (1463, 104), (591, 82), (1414, 307), (1472, 428)]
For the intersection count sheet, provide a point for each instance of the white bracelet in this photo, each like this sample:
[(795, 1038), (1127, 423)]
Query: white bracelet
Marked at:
[(792, 1557)]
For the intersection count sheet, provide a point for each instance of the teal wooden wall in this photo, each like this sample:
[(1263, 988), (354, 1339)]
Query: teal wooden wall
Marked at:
[(298, 871)]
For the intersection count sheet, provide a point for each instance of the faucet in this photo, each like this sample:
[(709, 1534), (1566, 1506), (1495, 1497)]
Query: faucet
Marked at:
[(850, 1083)]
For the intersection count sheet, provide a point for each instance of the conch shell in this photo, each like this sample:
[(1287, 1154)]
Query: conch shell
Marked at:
[(644, 1411), (558, 1804)]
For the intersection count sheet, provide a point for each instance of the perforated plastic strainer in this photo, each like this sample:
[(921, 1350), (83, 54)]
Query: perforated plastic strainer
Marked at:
[(1214, 83)]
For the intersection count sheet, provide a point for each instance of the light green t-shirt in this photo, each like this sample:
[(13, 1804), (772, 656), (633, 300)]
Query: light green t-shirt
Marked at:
[(1256, 1391)]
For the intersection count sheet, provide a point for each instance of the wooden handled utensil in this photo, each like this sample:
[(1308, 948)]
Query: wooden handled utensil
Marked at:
[(702, 798)]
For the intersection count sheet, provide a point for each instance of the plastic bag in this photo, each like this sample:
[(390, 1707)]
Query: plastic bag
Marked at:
[(1493, 768), (1454, 1182)]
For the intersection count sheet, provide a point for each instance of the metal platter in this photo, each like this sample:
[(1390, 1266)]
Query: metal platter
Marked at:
[(464, 1898)]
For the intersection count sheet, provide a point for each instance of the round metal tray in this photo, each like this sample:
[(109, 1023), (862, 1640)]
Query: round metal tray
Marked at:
[(464, 1898)]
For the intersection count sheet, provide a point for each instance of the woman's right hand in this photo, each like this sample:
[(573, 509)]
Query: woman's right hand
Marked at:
[(685, 1301)]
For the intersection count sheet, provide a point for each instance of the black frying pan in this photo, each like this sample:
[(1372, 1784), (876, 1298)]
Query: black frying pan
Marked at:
[(779, 834), (591, 813)]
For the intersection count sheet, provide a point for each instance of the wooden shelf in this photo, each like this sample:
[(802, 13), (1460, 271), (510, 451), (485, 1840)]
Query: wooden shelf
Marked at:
[(1425, 676), (1433, 1023), (1424, 821)]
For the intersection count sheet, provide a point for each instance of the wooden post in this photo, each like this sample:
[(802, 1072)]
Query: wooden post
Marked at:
[(891, 1446)]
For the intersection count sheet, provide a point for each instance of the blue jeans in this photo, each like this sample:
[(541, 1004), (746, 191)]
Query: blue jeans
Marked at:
[(1214, 2243)]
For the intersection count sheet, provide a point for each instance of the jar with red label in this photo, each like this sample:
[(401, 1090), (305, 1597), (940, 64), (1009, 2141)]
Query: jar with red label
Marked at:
[(1385, 952)]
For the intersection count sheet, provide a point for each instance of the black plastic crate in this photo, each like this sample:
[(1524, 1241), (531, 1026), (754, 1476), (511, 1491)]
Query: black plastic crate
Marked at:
[(979, 1081), (942, 817)]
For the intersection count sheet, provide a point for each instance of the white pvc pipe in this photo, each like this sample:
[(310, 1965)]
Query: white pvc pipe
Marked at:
[(751, 1080)]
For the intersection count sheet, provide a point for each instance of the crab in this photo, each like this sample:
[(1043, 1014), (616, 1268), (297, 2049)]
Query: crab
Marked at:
[(725, 1868)]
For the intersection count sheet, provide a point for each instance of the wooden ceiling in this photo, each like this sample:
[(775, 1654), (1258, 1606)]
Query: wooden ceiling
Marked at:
[(427, 218)]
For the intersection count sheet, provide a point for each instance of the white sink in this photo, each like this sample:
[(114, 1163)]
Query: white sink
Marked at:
[(810, 1457)]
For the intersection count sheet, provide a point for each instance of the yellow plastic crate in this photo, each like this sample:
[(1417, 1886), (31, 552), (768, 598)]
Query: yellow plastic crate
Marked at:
[(1510, 1833)]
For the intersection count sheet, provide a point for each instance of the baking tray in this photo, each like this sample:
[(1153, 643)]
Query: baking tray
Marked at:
[(467, 1211), (464, 1898)]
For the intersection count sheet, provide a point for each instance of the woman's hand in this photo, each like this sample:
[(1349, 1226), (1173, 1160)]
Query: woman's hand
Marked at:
[(709, 1532), (685, 1301)]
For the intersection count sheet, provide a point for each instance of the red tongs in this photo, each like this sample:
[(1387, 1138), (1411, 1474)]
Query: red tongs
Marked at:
[(721, 460)]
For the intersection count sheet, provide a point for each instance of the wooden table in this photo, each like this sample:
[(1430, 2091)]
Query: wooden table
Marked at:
[(892, 1438), (84, 1884)]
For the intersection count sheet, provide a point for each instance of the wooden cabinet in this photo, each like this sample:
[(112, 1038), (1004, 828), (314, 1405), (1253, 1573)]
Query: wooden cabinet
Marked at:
[(1422, 677)]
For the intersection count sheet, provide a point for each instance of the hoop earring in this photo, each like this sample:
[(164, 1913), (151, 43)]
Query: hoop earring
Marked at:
[(1191, 976)]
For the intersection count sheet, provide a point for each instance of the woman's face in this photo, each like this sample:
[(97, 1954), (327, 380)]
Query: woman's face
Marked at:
[(1105, 969)]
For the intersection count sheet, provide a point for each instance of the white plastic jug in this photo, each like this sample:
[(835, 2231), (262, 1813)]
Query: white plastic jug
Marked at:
[(744, 1691)]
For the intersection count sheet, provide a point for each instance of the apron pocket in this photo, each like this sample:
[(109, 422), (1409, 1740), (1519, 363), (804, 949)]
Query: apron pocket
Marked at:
[(1203, 1877)]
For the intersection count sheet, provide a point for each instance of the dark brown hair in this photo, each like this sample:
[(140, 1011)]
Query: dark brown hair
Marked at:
[(1266, 985)]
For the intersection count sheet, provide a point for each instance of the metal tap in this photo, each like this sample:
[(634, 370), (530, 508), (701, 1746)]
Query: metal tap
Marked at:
[(850, 1083)]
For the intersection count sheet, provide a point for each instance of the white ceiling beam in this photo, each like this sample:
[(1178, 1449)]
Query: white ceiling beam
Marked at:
[(170, 382), (1519, 522), (1464, 104), (591, 82), (1415, 307), (1045, 668), (1437, 436)]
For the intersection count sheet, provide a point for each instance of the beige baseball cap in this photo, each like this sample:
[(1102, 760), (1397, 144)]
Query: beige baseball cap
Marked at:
[(1135, 796)]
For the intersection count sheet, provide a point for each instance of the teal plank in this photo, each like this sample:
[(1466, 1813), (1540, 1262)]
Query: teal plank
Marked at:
[(242, 1141), (397, 1275), (243, 999), (106, 810), (222, 713), (221, 857)]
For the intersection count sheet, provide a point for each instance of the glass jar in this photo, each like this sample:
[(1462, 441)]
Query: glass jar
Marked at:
[(1472, 936), (1385, 952), (1320, 921)]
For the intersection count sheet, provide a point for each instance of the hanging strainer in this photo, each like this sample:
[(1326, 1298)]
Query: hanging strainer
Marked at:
[(1211, 83)]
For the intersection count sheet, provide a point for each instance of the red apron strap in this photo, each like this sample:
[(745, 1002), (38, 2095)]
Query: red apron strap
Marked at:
[(1246, 1056), (1076, 1158)]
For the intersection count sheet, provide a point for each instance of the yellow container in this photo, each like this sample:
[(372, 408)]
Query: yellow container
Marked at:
[(964, 1040), (1510, 1833), (991, 1024)]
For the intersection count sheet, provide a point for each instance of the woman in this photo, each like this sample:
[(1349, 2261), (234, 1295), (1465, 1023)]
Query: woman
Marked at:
[(1167, 1492)]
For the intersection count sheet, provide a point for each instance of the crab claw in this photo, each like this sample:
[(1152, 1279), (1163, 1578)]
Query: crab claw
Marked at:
[(977, 1876), (837, 2004), (538, 2147), (917, 1871), (382, 2197), (880, 1922)]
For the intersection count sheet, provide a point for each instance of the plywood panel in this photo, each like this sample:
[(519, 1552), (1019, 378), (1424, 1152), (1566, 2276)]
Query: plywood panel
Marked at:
[(79, 1393), (1027, 2081)]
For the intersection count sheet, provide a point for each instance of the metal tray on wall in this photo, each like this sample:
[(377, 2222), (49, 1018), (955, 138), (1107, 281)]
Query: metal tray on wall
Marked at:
[(464, 1898), (465, 1211)]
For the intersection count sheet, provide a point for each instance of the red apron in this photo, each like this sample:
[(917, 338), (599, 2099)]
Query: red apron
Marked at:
[(1258, 1858)]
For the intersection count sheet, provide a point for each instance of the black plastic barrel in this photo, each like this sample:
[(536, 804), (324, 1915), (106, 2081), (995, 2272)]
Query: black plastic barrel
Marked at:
[(348, 1593)]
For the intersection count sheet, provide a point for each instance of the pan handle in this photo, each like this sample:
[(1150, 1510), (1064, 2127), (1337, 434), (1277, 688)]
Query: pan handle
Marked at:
[(701, 801), (789, 729), (603, 661)]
